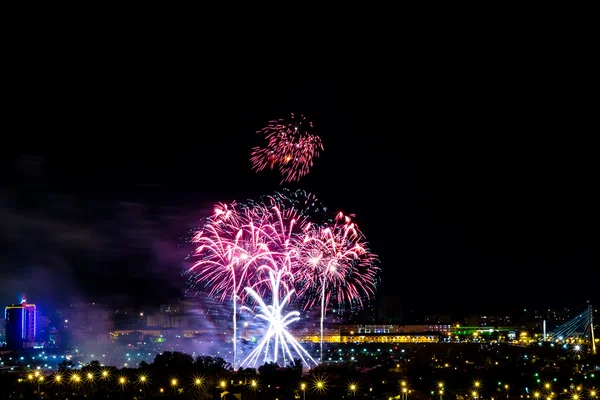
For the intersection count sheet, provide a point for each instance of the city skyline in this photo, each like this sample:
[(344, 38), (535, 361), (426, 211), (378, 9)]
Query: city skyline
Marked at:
[(195, 324), (386, 310)]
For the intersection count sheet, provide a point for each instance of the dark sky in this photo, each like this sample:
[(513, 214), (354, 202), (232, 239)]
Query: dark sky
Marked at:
[(474, 179)]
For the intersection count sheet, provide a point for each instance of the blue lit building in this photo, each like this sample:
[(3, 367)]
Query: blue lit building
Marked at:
[(21, 325)]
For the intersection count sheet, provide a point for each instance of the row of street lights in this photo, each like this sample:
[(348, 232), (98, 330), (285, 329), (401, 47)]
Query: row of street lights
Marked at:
[(319, 385), (142, 380)]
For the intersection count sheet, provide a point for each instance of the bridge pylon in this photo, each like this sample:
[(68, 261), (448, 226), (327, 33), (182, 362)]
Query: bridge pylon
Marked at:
[(591, 318)]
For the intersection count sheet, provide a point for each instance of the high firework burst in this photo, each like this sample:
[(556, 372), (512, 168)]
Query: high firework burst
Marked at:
[(291, 148)]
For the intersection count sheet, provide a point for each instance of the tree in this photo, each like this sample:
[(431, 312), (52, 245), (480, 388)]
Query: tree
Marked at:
[(65, 365), (212, 365)]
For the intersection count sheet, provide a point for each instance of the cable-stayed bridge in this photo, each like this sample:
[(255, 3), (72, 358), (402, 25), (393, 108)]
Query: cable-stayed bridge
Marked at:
[(579, 329)]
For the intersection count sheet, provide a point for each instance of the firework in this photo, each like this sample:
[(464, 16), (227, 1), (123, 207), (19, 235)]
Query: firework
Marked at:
[(238, 241), (339, 254), (291, 148), (306, 204), (269, 251), (337, 264), (278, 322), (238, 246)]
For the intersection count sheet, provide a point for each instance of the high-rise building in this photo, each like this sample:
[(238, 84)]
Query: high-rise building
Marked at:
[(21, 325)]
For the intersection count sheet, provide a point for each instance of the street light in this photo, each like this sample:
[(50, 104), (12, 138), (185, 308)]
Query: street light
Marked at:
[(199, 384), (303, 388), (477, 385), (122, 382), (404, 385)]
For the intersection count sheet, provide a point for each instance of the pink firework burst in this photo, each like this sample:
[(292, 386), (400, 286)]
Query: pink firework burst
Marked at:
[(291, 148), (336, 264), (240, 247), (243, 246), (240, 243), (337, 259)]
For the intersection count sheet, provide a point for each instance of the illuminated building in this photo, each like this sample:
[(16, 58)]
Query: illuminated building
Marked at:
[(386, 333), (21, 325)]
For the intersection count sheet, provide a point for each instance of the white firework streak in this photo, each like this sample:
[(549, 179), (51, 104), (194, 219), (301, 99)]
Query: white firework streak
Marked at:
[(277, 331)]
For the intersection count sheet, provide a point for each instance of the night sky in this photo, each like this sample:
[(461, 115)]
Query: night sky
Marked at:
[(476, 185)]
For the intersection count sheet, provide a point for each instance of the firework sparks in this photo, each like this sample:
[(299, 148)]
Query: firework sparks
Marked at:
[(338, 264), (278, 322), (339, 254), (238, 246), (238, 240), (257, 252), (291, 148), (306, 204)]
